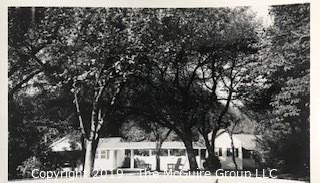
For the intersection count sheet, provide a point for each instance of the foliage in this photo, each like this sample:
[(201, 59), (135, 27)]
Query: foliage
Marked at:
[(189, 56), (135, 130), (36, 120), (281, 85), (91, 69)]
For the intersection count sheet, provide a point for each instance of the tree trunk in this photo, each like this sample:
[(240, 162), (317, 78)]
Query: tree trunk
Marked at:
[(83, 150), (158, 148), (212, 162), (208, 145), (233, 154), (91, 147), (89, 157), (158, 162), (159, 142), (191, 156), (213, 140), (92, 139)]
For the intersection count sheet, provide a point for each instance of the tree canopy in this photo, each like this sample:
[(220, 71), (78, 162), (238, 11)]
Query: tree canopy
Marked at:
[(281, 81), (185, 71)]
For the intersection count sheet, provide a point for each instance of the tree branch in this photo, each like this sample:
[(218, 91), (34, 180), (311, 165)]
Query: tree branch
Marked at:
[(76, 102), (25, 80)]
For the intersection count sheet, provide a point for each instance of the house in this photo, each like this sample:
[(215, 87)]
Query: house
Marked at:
[(66, 152), (251, 154), (114, 153)]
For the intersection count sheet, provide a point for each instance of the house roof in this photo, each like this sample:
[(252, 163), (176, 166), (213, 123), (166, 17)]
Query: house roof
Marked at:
[(66, 143), (248, 141), (145, 145)]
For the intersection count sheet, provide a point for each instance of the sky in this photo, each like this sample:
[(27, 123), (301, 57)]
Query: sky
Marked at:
[(262, 13)]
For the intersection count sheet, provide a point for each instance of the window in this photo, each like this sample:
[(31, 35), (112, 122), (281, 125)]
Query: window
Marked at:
[(141, 152), (127, 153), (196, 152), (97, 154), (104, 154), (236, 150), (218, 151), (177, 152), (203, 153), (153, 152), (229, 152), (164, 152)]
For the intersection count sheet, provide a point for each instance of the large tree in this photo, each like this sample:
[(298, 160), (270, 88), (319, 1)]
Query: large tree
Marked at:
[(281, 85), (190, 55), (38, 112), (97, 57), (87, 51)]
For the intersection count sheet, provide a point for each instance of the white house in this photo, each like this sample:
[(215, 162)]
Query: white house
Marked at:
[(113, 153)]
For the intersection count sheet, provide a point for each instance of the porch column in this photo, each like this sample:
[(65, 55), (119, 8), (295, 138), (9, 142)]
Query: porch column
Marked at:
[(199, 158), (131, 159)]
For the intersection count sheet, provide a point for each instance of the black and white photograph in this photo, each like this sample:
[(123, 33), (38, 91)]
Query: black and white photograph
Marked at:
[(140, 94)]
